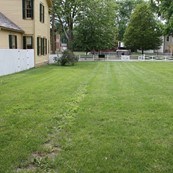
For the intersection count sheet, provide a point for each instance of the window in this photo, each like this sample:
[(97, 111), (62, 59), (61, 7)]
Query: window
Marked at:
[(12, 41), (167, 39), (41, 13), (41, 46), (27, 42), (27, 9)]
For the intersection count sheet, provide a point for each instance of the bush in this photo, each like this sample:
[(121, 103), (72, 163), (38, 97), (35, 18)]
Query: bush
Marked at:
[(67, 58)]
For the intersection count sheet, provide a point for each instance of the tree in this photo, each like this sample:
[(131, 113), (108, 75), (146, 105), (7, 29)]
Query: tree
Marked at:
[(164, 8), (97, 28), (66, 13), (143, 31), (124, 10), (53, 39)]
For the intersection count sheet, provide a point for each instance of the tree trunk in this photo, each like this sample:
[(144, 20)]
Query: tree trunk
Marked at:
[(70, 37), (70, 42), (142, 51)]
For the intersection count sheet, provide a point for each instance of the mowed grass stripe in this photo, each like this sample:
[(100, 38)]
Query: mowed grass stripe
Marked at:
[(156, 86)]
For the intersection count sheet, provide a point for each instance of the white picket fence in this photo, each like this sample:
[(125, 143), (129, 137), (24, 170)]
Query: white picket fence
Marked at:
[(15, 60)]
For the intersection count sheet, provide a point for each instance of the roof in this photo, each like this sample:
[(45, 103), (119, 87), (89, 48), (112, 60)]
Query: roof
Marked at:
[(7, 24), (49, 2)]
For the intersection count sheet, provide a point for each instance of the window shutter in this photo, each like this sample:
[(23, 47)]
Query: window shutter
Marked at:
[(24, 42), (32, 9), (46, 46), (43, 14), (40, 11), (15, 42), (10, 41), (42, 46), (38, 46), (32, 42), (23, 9)]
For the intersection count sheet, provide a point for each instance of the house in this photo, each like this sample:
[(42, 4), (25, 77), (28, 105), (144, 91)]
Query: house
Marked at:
[(166, 47), (25, 24), (168, 44), (10, 33), (55, 42)]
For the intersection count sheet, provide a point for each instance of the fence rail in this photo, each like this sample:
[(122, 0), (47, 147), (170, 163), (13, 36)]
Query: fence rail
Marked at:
[(15, 60), (109, 56)]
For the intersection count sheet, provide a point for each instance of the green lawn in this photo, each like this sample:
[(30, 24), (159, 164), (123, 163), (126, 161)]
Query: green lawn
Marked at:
[(95, 117)]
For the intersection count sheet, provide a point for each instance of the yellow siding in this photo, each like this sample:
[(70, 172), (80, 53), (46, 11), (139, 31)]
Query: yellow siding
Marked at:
[(13, 10), (4, 43), (41, 29)]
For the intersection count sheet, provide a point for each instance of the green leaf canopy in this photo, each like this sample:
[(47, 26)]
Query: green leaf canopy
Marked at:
[(144, 31)]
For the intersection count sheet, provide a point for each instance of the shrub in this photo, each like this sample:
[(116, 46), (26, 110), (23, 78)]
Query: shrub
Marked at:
[(67, 58)]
